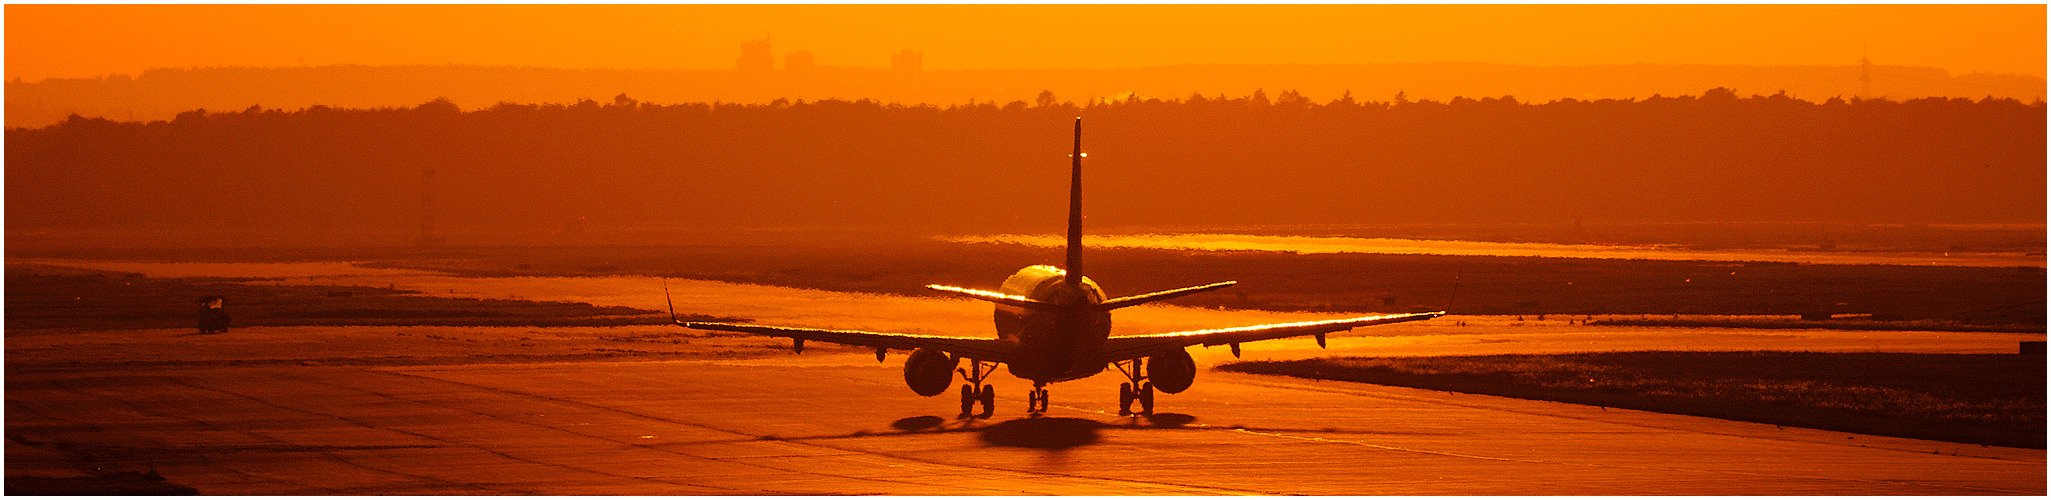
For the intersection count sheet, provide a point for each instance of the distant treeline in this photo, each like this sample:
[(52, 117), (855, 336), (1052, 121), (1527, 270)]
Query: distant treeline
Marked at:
[(990, 167), (161, 93)]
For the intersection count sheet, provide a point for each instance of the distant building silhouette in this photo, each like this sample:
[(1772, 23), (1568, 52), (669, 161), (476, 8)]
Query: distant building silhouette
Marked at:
[(1865, 78), (755, 56), (907, 60), (798, 61)]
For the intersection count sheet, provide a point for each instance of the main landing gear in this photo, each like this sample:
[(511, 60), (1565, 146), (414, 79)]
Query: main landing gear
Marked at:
[(975, 391), (1137, 388)]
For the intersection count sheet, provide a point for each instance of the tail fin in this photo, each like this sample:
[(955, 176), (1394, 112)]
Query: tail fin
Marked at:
[(1074, 267)]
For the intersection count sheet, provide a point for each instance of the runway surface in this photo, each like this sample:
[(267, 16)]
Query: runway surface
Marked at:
[(845, 424), (661, 410)]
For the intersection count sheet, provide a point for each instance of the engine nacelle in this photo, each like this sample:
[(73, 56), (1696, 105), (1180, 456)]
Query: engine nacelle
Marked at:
[(929, 372), (1171, 372)]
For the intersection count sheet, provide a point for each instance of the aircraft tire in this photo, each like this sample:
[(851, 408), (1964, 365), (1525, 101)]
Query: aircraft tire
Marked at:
[(968, 400), (989, 399), (1125, 398), (1146, 399)]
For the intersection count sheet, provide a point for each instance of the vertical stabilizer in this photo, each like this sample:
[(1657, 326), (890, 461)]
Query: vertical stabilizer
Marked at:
[(1074, 266)]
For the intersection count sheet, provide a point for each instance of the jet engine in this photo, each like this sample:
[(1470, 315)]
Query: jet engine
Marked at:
[(929, 372), (1171, 372)]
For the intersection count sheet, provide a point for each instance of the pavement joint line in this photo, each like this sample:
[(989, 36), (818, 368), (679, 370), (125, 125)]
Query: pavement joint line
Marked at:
[(1480, 457), (1335, 390), (330, 453), (809, 442), (416, 434), (1340, 390), (1549, 462), (568, 431), (1615, 466), (61, 385), (1362, 390)]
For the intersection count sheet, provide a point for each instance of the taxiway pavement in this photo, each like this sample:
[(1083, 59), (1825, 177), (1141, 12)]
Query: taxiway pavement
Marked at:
[(832, 423)]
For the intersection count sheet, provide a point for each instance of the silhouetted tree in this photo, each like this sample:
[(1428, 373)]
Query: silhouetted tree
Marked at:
[(867, 163), (1291, 99), (440, 105), (1045, 100), (1344, 99)]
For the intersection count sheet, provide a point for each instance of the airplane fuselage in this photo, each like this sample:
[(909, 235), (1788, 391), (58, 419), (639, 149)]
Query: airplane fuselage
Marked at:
[(1054, 344)]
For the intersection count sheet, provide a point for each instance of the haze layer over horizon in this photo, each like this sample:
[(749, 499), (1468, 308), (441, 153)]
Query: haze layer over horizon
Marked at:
[(101, 40)]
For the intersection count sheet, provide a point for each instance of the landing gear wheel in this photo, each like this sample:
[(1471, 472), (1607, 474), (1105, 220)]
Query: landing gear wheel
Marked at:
[(968, 401), (1036, 401), (989, 400), (1136, 389)]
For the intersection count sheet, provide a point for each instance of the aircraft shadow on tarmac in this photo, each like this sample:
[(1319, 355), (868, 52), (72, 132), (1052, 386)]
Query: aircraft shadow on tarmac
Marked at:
[(1046, 433), (1052, 433)]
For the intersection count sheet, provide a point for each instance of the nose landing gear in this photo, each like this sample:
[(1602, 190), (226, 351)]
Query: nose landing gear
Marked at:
[(1036, 401)]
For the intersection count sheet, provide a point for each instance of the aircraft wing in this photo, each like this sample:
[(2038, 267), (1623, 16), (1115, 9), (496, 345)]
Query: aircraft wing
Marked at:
[(985, 349), (1124, 348)]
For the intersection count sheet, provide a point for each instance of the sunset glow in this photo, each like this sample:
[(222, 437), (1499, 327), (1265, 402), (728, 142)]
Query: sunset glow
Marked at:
[(1322, 244), (127, 39), (804, 250)]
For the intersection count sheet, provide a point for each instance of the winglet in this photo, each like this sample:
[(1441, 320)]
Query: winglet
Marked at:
[(672, 303), (1456, 292)]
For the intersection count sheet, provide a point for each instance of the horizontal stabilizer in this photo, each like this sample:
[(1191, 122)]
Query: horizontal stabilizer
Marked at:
[(1123, 348), (969, 347), (1006, 299), (1161, 295)]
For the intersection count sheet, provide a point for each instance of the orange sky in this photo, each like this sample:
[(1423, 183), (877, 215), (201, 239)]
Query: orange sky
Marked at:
[(45, 41)]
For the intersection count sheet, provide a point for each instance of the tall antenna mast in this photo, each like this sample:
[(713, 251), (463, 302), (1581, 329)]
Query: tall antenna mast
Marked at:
[(1865, 75)]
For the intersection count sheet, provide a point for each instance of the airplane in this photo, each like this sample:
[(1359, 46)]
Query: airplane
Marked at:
[(1054, 325)]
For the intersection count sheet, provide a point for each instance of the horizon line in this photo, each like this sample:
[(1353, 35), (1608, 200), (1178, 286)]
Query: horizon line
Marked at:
[(108, 76)]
